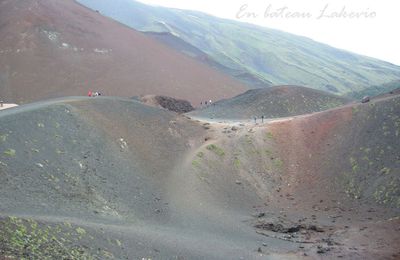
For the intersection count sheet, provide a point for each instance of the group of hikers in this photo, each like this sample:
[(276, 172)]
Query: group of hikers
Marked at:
[(206, 103), (262, 119), (93, 94)]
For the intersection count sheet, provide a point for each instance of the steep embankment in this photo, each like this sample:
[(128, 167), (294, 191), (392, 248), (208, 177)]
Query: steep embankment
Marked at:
[(354, 149), (275, 102), (58, 48)]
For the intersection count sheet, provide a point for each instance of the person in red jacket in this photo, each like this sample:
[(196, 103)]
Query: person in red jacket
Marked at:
[(90, 93)]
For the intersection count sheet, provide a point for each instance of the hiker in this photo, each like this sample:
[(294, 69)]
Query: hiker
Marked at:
[(201, 104), (205, 102), (255, 120), (1, 103), (90, 93), (96, 94), (262, 119), (210, 101)]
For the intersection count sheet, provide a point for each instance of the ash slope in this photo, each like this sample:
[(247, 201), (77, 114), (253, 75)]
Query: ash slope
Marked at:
[(59, 48), (275, 102), (115, 170)]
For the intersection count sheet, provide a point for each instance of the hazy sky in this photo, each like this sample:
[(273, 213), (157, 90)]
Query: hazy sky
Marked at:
[(372, 31)]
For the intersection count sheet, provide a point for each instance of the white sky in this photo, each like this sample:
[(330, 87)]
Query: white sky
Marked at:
[(376, 33)]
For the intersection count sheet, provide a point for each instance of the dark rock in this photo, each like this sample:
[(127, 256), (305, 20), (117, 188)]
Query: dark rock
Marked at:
[(261, 215), (323, 250), (175, 105), (315, 228)]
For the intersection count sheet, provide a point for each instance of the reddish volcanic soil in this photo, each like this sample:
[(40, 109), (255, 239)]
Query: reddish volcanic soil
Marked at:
[(58, 48)]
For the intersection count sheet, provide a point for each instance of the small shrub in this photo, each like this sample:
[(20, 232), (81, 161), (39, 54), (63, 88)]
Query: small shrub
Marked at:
[(10, 152), (270, 136), (278, 163), (217, 150), (196, 164), (81, 231), (3, 138), (236, 163)]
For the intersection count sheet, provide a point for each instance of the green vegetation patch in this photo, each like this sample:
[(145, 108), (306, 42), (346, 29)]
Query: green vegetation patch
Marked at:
[(236, 163), (278, 163), (27, 239), (196, 164), (217, 150), (10, 152), (352, 189), (268, 152), (3, 138), (200, 154), (269, 135), (388, 194)]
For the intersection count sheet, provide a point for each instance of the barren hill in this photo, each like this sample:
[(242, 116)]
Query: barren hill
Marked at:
[(57, 48), (279, 101)]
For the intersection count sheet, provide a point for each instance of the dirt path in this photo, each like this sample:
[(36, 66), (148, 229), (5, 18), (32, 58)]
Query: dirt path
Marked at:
[(267, 121)]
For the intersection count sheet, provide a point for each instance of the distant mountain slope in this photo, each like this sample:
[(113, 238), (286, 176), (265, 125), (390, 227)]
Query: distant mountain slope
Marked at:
[(275, 57), (180, 45), (377, 90), (57, 48), (275, 102)]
